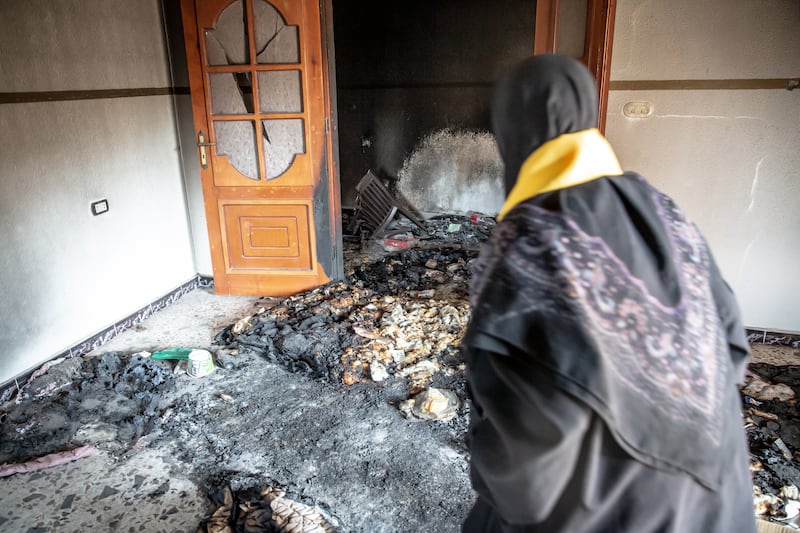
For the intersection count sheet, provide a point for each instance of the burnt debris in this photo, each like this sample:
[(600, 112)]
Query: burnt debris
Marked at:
[(112, 399), (396, 323), (389, 332), (398, 319), (772, 423)]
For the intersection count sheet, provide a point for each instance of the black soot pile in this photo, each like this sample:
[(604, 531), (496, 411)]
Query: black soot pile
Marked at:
[(110, 399)]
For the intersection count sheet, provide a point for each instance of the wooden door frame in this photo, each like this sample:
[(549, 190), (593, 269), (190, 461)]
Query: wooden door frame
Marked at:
[(332, 133), (599, 42)]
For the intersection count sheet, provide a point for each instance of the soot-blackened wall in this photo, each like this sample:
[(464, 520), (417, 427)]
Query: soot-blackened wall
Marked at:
[(406, 69)]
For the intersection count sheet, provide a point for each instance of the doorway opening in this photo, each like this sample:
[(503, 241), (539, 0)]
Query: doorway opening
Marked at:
[(406, 70)]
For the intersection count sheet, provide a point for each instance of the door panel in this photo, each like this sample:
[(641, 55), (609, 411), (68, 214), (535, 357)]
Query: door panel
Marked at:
[(258, 94), (260, 238)]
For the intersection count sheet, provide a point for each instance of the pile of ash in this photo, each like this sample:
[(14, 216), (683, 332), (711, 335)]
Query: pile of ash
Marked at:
[(110, 400)]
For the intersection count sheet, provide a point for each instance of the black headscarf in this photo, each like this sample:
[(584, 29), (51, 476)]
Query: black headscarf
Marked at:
[(540, 99)]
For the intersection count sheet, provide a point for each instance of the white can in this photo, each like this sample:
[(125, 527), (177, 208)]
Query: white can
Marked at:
[(200, 363)]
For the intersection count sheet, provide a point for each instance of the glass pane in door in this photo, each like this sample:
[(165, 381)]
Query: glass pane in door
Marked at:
[(236, 139), (283, 139), (227, 43), (276, 42), (280, 91), (231, 93)]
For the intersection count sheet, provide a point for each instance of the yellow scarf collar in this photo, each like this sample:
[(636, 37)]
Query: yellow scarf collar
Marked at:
[(567, 160)]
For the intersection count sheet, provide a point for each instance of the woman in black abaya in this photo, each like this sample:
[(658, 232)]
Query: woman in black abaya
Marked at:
[(604, 348)]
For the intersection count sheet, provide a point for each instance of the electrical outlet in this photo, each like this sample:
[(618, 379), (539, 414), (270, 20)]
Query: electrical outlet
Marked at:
[(99, 207), (637, 109)]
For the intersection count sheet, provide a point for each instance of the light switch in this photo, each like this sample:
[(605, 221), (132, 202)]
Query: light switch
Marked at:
[(99, 207)]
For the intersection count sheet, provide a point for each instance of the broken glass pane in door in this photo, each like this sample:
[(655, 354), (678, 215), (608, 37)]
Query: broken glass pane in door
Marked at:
[(283, 139), (227, 43), (231, 93), (236, 139), (276, 42)]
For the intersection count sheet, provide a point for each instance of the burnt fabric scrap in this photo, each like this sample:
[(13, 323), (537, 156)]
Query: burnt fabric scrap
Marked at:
[(48, 461)]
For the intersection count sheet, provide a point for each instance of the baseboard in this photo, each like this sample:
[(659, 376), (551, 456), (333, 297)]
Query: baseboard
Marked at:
[(96, 341), (754, 336), (104, 336), (757, 336)]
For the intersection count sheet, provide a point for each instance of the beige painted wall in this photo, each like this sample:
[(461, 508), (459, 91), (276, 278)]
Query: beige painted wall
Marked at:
[(66, 274), (731, 158)]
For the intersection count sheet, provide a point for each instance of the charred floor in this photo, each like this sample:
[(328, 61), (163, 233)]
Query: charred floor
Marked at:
[(339, 409)]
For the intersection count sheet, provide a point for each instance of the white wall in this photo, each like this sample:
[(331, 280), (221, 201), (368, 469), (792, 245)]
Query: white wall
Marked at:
[(66, 274), (731, 158)]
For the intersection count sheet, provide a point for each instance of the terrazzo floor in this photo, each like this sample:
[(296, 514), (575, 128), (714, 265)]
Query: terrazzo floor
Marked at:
[(139, 490), (136, 491)]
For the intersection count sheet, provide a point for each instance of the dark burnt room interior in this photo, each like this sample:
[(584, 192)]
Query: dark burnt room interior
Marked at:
[(342, 407), (406, 69)]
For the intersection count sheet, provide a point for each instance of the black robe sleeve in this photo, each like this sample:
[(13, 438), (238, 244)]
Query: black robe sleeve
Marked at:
[(524, 435)]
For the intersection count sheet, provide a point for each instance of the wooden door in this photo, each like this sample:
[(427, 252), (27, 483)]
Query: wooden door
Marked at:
[(256, 72)]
